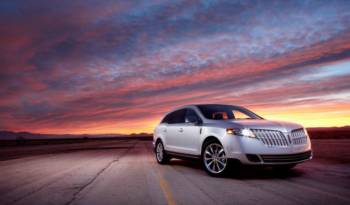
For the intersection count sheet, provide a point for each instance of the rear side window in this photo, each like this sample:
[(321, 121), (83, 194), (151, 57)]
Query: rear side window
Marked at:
[(166, 119), (178, 117), (175, 117)]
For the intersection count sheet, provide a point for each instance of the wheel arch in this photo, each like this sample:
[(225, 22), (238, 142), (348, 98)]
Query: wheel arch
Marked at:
[(207, 139), (158, 139)]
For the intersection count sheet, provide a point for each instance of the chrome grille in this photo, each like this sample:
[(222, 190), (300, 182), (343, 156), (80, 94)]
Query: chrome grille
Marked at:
[(298, 136), (271, 137)]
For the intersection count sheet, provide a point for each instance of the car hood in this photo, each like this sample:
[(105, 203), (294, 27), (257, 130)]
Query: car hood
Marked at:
[(265, 124)]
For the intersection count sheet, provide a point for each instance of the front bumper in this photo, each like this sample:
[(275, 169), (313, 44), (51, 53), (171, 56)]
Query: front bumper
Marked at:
[(253, 151)]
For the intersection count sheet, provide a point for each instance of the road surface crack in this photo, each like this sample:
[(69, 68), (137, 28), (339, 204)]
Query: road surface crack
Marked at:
[(81, 188), (39, 188)]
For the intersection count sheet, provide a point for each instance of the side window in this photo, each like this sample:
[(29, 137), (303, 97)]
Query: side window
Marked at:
[(220, 116), (166, 119), (238, 115), (177, 117), (191, 116)]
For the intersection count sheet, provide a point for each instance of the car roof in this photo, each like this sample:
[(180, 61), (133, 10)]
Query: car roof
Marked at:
[(216, 105), (197, 106)]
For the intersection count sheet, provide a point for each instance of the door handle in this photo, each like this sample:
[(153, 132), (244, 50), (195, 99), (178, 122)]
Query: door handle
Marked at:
[(181, 129)]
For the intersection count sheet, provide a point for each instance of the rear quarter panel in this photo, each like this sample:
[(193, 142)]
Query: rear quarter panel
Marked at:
[(159, 134)]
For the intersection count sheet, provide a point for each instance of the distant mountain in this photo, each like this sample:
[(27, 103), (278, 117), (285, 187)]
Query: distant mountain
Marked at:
[(329, 132), (9, 135), (345, 128)]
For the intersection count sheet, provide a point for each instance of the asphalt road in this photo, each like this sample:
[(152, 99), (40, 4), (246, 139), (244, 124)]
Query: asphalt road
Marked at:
[(125, 172)]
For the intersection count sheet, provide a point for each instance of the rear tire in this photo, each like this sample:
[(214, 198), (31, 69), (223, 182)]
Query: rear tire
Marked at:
[(214, 159), (161, 156)]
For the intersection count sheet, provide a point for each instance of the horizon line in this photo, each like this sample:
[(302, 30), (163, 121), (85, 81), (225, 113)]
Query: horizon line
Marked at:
[(133, 133)]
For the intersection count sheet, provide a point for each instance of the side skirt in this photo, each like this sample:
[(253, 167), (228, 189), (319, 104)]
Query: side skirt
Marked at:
[(182, 155)]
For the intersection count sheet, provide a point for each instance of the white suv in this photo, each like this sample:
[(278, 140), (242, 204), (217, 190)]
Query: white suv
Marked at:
[(222, 134)]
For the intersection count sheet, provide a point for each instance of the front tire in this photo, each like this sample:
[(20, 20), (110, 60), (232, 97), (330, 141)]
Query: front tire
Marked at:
[(214, 159), (161, 156)]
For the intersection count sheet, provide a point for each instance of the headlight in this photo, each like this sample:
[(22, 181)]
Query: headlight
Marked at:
[(241, 132)]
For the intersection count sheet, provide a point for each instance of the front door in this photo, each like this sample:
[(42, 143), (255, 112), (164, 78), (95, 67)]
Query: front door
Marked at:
[(190, 136)]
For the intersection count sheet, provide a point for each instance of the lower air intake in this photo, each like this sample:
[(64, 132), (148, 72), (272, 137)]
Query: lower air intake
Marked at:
[(286, 158)]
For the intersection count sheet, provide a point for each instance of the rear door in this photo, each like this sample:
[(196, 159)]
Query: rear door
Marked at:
[(174, 131)]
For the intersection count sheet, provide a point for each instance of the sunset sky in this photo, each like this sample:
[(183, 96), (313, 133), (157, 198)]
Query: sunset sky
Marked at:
[(95, 66)]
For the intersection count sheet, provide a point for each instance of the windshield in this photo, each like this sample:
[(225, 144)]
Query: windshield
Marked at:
[(227, 112)]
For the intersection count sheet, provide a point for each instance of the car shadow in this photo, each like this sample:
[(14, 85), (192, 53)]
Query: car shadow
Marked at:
[(244, 172), (258, 172)]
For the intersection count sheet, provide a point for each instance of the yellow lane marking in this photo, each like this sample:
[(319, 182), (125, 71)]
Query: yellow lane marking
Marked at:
[(166, 190)]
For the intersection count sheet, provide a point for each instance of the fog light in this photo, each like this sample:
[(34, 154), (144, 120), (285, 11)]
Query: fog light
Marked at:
[(253, 157)]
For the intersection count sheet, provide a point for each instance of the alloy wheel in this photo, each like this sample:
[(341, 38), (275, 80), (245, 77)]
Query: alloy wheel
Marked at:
[(215, 158), (160, 152)]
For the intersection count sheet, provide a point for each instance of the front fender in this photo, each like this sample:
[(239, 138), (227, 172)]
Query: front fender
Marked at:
[(218, 133), (231, 143)]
